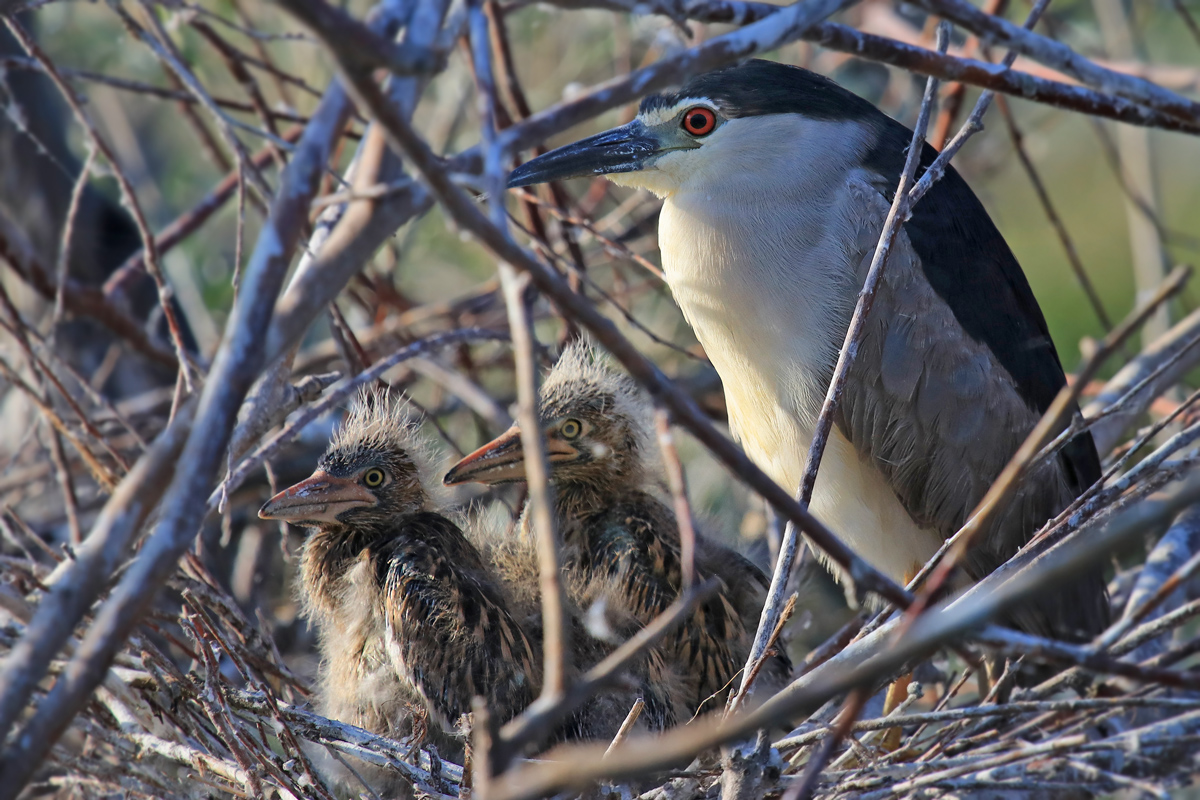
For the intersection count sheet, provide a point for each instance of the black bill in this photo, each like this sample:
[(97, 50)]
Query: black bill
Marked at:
[(623, 149)]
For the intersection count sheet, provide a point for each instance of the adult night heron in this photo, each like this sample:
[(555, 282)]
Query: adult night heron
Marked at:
[(775, 183)]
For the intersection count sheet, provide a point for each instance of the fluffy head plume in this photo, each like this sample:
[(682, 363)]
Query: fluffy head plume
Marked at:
[(584, 375), (379, 422)]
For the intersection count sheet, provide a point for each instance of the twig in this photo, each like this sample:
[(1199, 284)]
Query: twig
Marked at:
[(998, 31), (1181, 337), (96, 560), (556, 642), (845, 39), (630, 720), (127, 192), (677, 483), (190, 221), (952, 96), (236, 366), (64, 247), (1002, 710), (1060, 230), (803, 789)]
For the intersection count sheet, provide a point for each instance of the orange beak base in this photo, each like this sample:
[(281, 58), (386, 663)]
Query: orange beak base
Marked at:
[(502, 460), (316, 499), (499, 461)]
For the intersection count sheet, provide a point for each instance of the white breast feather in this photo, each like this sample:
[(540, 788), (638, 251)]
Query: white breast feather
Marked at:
[(771, 313)]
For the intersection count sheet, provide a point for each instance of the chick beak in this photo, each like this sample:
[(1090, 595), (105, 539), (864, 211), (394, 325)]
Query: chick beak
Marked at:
[(318, 498), (502, 460), (623, 149)]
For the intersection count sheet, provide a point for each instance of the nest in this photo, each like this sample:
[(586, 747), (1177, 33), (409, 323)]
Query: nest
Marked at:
[(150, 642)]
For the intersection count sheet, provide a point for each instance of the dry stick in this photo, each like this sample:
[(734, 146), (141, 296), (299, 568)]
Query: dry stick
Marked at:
[(21, 332), (238, 362), (64, 246), (556, 642), (1013, 642), (1134, 381), (1060, 230), (537, 474), (1145, 596), (347, 235), (86, 301), (369, 48), (899, 213), (138, 87), (1014, 471), (803, 788), (128, 196), (845, 39), (1012, 709), (630, 720), (520, 108), (238, 71), (954, 93), (537, 722), (190, 221), (864, 663), (100, 471), (1056, 55), (788, 609), (1188, 19), (66, 484), (1087, 500), (677, 483), (164, 49), (360, 228), (974, 123), (96, 560)]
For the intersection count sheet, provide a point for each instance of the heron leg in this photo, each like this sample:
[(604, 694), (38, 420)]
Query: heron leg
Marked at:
[(897, 693)]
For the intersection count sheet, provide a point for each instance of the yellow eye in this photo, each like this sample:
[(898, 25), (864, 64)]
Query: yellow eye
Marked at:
[(373, 478), (571, 429)]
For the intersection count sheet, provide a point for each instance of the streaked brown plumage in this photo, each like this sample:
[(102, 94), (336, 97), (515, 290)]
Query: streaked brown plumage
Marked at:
[(407, 611), (621, 544)]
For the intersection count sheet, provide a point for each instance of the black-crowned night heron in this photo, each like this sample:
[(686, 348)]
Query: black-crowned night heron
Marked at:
[(620, 544), (775, 183)]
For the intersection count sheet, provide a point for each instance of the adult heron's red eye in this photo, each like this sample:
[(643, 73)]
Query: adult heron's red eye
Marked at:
[(699, 121)]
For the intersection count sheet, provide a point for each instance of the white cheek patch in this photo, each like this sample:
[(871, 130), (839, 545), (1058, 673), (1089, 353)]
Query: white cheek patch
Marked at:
[(600, 451), (657, 116)]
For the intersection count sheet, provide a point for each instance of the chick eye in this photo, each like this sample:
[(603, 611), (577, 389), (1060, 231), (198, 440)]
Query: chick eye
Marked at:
[(373, 478), (699, 121), (571, 429)]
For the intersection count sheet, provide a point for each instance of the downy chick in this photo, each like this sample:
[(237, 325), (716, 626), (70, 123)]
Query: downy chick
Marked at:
[(620, 544), (407, 611)]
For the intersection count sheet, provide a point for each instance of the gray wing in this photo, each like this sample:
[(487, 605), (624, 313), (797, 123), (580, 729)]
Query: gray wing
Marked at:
[(939, 416)]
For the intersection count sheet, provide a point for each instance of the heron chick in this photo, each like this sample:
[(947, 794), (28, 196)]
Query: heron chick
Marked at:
[(406, 610), (621, 544)]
